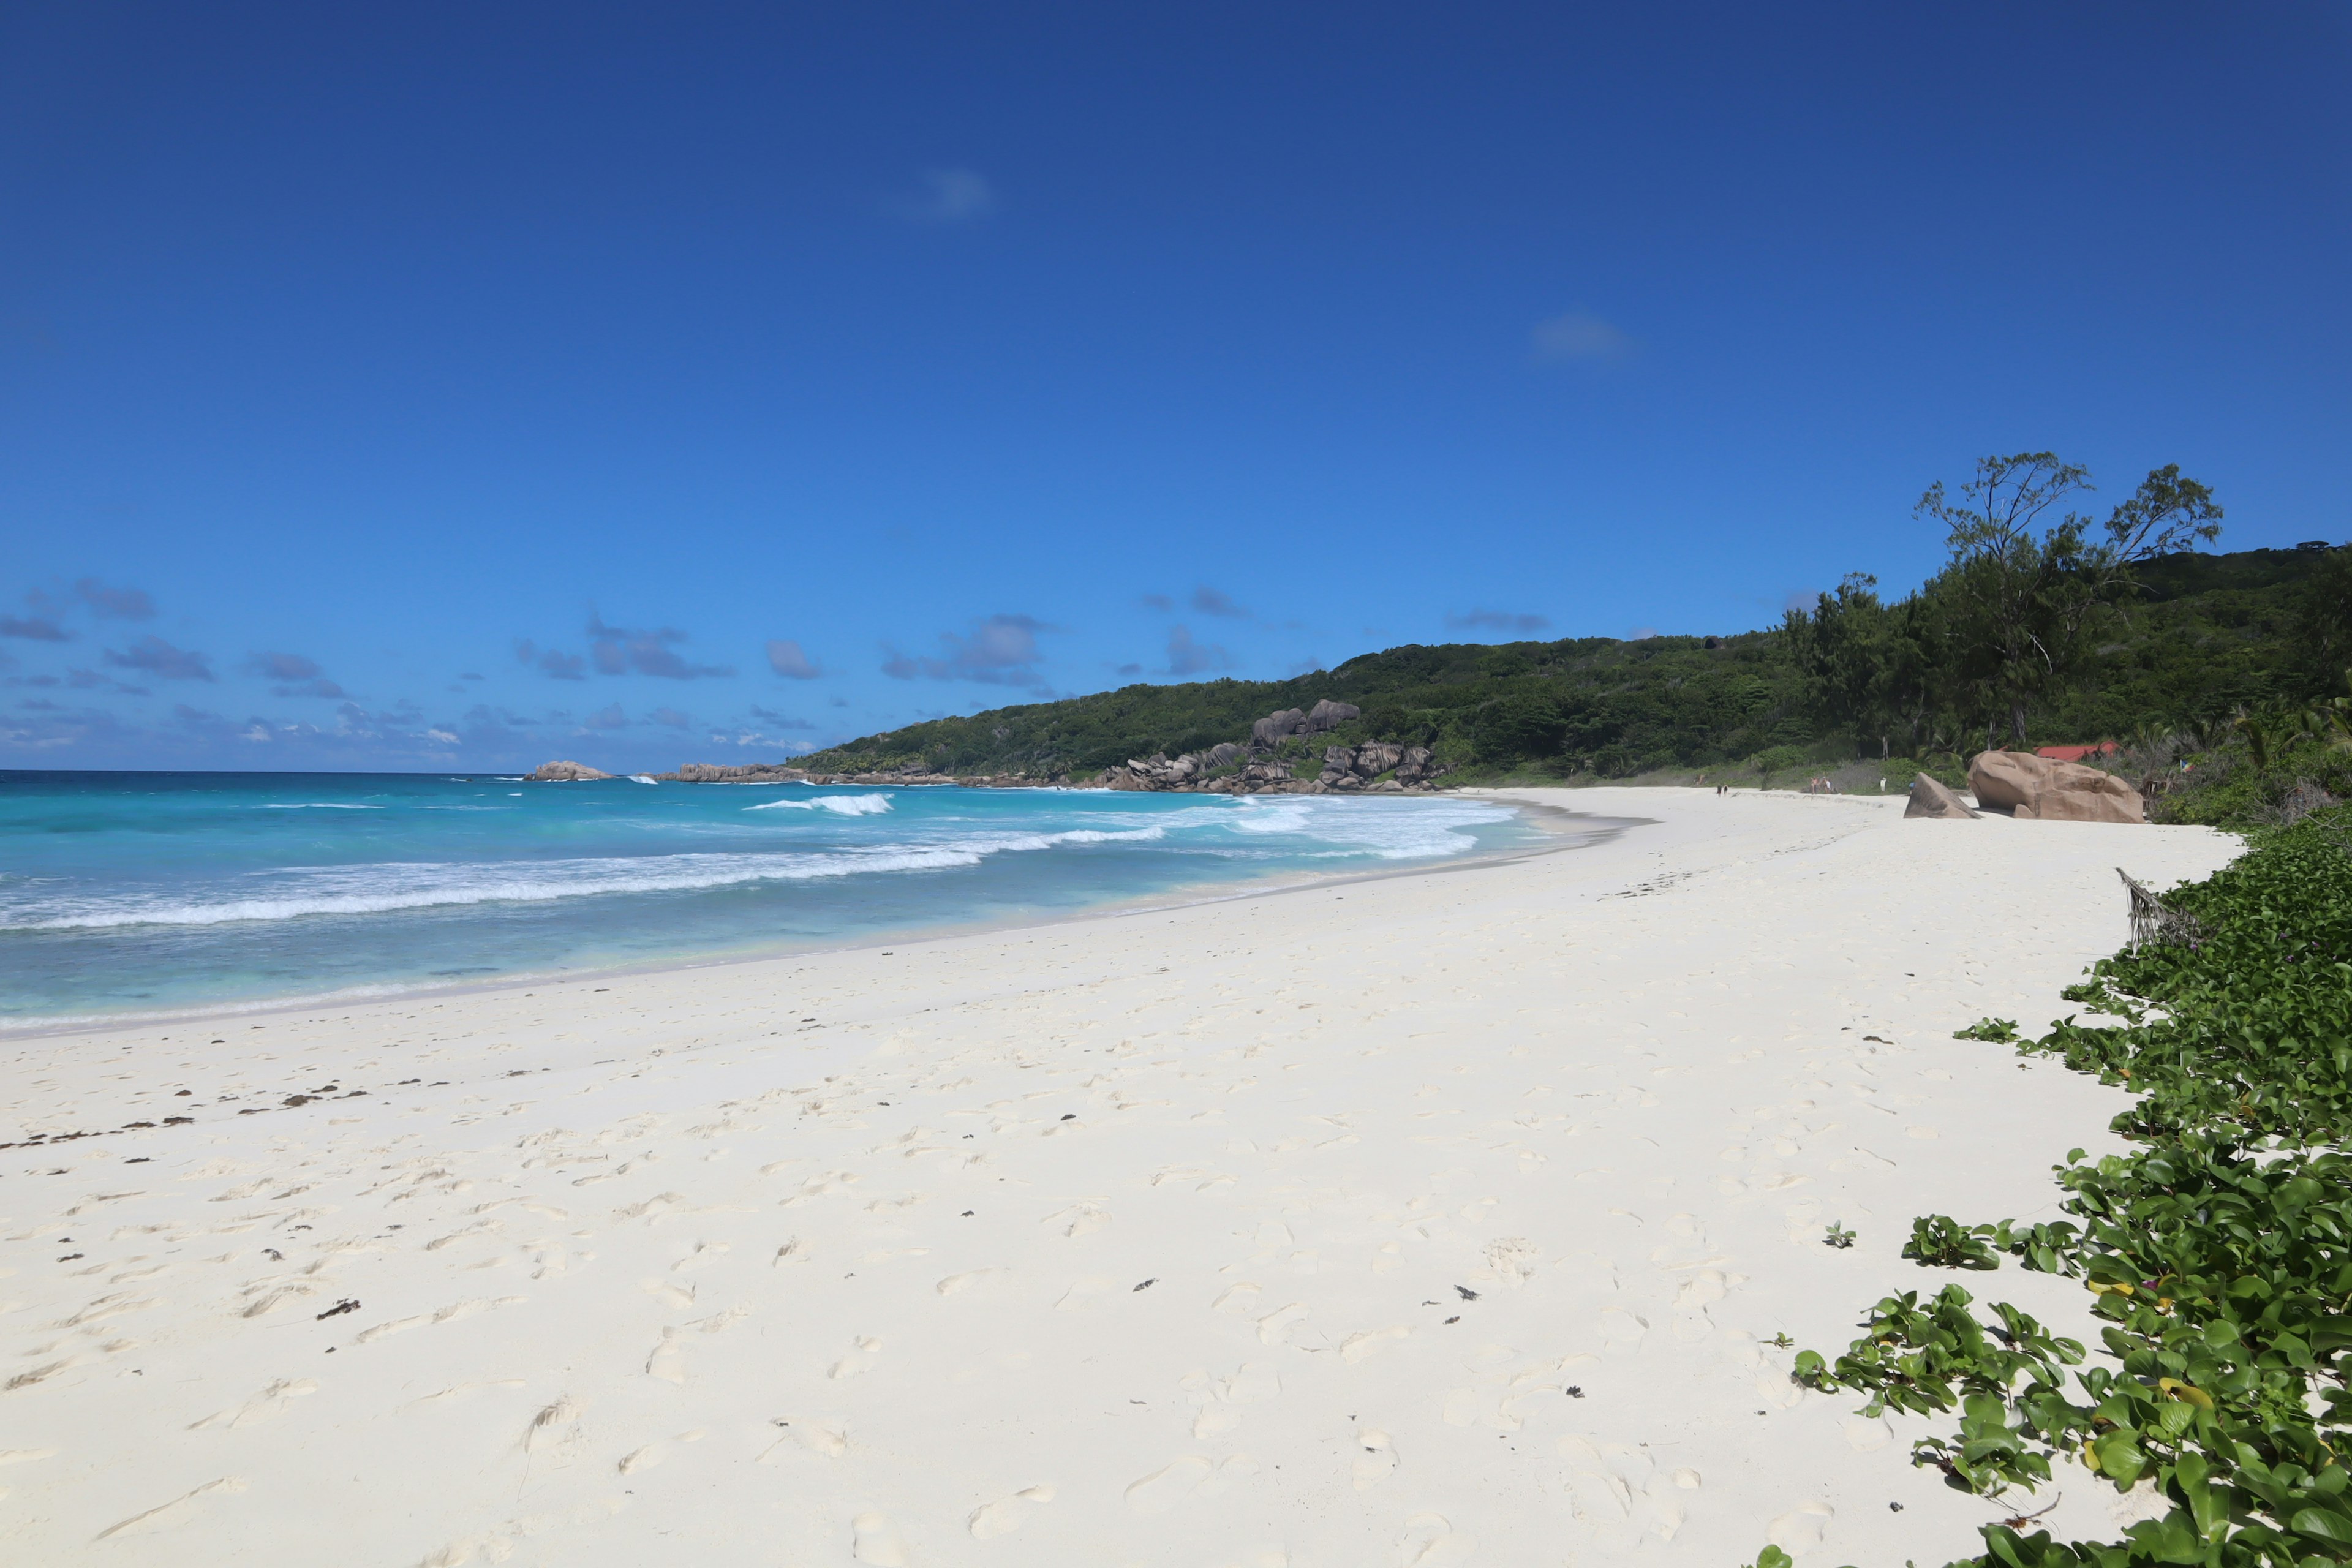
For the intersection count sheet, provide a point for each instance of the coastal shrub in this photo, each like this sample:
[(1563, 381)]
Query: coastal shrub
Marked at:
[(2219, 1253)]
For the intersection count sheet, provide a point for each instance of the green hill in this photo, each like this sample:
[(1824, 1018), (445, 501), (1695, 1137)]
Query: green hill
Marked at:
[(2205, 636)]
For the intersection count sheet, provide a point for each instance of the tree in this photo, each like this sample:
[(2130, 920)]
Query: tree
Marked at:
[(1871, 669), (2323, 622), (2022, 591)]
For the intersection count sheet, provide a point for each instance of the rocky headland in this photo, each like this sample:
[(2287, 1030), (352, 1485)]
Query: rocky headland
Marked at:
[(1266, 764)]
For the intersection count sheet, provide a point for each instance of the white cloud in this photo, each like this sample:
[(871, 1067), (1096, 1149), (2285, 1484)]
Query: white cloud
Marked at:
[(1577, 335), (946, 196)]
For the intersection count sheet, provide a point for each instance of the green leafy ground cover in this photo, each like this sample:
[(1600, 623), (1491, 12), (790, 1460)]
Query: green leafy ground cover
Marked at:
[(2219, 1252)]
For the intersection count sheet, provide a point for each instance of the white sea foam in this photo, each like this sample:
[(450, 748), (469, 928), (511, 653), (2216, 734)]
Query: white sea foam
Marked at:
[(644, 778), (381, 889), (1389, 830), (847, 805)]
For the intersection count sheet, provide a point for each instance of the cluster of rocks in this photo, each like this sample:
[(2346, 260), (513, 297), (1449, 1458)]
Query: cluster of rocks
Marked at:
[(566, 773), (1231, 769), (777, 772), (1227, 769), (2032, 788), (1325, 717)]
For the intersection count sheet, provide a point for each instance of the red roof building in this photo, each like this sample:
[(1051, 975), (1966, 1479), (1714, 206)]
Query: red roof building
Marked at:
[(2076, 753)]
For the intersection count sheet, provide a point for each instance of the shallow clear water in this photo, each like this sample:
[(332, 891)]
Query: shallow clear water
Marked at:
[(145, 892)]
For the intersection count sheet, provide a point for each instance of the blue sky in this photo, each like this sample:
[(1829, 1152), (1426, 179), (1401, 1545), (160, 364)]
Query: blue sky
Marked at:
[(460, 386)]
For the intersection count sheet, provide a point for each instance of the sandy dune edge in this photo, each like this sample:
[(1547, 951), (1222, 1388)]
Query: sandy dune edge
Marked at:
[(1427, 1221)]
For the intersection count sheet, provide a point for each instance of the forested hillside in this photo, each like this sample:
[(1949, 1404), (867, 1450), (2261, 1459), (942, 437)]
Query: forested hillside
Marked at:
[(2199, 638)]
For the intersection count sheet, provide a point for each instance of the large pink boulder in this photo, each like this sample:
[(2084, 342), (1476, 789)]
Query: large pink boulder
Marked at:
[(2007, 780), (2077, 793), (2036, 788)]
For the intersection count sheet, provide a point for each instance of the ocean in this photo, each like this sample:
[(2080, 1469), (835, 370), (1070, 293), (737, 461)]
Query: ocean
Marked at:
[(124, 895)]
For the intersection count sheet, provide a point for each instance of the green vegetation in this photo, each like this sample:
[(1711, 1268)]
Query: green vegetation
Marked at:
[(2036, 631), (2219, 1253)]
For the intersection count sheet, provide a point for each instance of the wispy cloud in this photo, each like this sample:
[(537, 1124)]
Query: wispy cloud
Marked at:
[(1495, 620), (1578, 336), (1001, 651), (671, 717), (1213, 601), (161, 659), (1157, 602), (780, 721), (299, 677), (115, 604), (38, 628), (606, 717), (1186, 656), (788, 659), (553, 663), (945, 197), (615, 650)]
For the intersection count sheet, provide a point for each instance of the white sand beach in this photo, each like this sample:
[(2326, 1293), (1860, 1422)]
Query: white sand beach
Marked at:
[(1430, 1220)]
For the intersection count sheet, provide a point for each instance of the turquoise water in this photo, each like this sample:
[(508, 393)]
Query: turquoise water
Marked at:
[(131, 893)]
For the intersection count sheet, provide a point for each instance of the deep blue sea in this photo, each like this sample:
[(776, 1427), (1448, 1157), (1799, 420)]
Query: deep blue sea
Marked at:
[(139, 893)]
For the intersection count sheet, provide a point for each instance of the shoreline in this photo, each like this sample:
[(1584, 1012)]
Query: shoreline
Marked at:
[(1448, 1216), (1548, 818)]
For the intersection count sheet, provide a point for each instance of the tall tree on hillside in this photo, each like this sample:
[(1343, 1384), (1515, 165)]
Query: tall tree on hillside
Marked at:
[(2323, 623), (2022, 588), (1872, 669)]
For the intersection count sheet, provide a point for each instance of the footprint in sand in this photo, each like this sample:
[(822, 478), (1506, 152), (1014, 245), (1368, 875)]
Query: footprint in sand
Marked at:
[(873, 1539), (1275, 1328), (1867, 1436), (1164, 1489), (1511, 1260), (1079, 1219), (1427, 1541), (956, 1284), (1376, 1459), (867, 1352), (1372, 1342), (1006, 1515), (1621, 1328), (1254, 1383), (1240, 1300), (814, 1435), (1800, 1529), (676, 1296)]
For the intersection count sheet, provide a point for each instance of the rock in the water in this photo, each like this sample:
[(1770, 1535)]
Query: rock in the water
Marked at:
[(733, 772), (1930, 798), (1329, 715), (566, 773), (2039, 789)]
